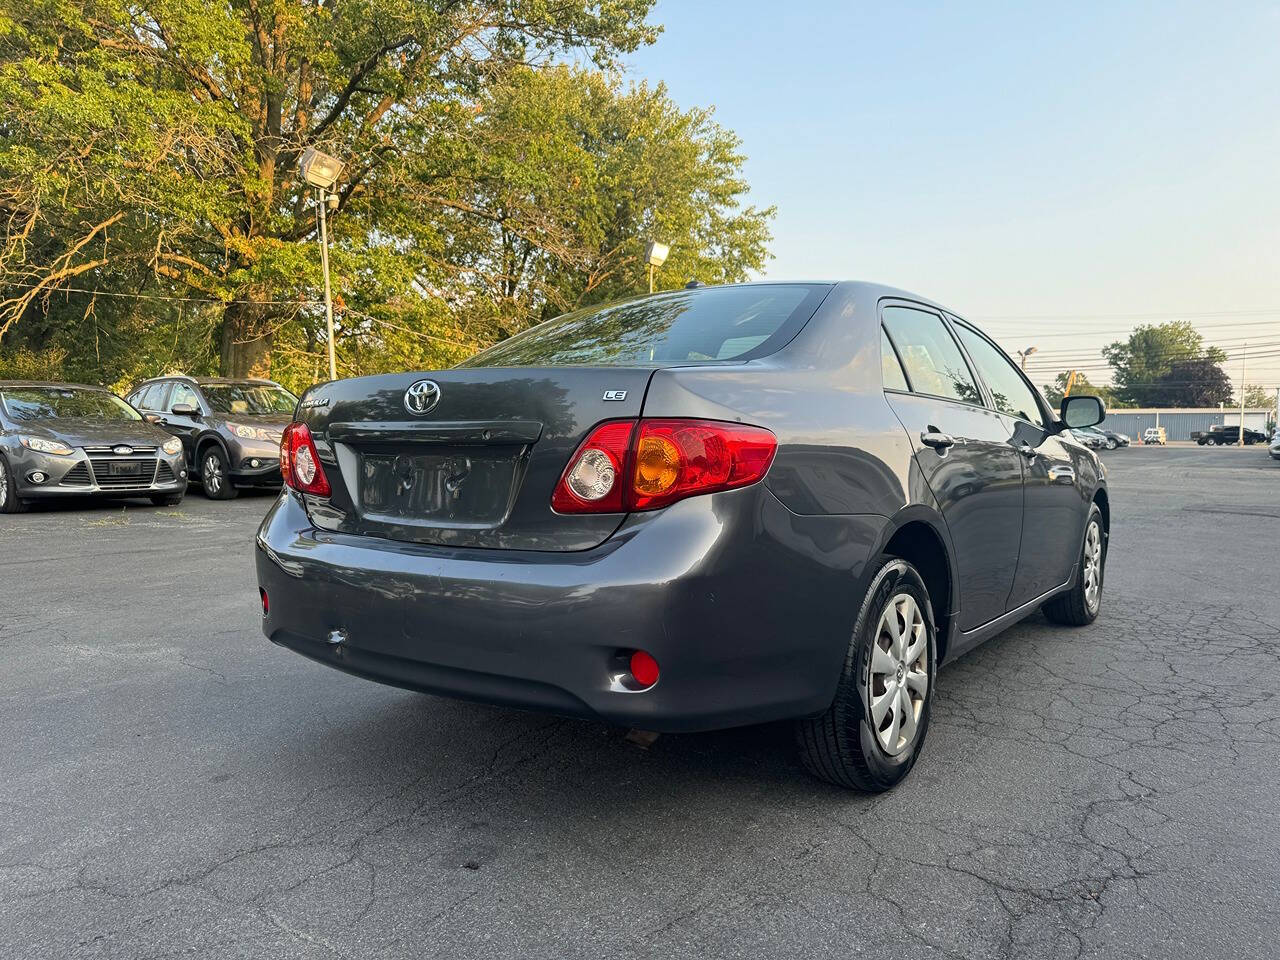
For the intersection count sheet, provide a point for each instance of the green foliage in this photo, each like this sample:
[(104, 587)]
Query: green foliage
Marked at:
[(1256, 397), (1082, 387), (1167, 365), (153, 217)]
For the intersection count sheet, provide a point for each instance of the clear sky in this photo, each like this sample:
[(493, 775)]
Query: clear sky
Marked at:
[(1089, 162)]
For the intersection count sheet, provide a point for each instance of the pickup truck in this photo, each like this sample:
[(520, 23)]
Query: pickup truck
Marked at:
[(1230, 433)]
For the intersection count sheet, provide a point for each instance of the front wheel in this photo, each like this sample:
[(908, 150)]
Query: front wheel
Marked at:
[(1080, 605), (10, 502), (870, 736), (1111, 444), (215, 475)]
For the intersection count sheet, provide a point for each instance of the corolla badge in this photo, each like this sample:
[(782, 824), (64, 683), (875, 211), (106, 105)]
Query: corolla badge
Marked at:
[(422, 397), (122, 450)]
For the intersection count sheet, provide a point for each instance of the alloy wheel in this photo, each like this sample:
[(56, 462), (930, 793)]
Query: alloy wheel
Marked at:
[(898, 680), (1093, 566), (4, 486), (212, 474)]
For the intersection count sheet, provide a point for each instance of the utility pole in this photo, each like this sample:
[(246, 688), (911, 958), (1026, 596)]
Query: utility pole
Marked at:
[(1242, 356), (322, 202)]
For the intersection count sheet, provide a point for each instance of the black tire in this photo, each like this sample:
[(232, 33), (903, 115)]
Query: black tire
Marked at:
[(1200, 441), (10, 502), (215, 474), (167, 499), (841, 745), (1074, 608), (1110, 444)]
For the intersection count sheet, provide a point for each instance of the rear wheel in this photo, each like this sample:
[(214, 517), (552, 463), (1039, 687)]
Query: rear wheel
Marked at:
[(10, 502), (870, 736), (215, 474), (1080, 605), (1111, 444)]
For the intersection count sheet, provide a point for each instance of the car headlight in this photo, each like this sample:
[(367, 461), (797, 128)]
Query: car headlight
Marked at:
[(42, 445), (172, 446), (253, 433)]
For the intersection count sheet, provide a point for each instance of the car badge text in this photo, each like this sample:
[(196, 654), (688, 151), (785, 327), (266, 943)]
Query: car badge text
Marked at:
[(615, 394)]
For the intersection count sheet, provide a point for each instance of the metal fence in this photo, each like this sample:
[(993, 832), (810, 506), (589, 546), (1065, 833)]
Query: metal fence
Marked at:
[(1179, 424)]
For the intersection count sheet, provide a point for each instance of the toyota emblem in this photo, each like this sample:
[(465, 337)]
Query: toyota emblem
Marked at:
[(422, 397)]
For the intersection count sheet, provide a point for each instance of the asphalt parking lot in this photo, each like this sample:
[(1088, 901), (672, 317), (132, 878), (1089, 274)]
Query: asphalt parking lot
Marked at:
[(174, 785)]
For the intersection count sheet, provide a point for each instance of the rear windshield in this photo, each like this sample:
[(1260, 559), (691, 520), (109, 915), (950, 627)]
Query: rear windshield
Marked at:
[(702, 325), (26, 404)]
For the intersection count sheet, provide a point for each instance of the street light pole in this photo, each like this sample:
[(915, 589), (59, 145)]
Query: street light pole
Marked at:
[(323, 172), (322, 203), (1243, 353), (1024, 354)]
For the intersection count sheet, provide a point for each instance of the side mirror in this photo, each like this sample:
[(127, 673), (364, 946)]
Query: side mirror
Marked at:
[(184, 410), (1082, 411)]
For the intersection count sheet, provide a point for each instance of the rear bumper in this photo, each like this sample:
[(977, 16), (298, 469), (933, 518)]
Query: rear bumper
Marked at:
[(746, 613)]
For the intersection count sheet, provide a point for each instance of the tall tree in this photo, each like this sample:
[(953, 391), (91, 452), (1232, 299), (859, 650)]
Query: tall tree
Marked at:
[(1144, 366), (151, 145)]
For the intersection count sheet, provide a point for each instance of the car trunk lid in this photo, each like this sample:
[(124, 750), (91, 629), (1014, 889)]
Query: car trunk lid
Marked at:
[(477, 468)]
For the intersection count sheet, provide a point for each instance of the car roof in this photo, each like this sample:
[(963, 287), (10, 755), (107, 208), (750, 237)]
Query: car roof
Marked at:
[(209, 381), (7, 384)]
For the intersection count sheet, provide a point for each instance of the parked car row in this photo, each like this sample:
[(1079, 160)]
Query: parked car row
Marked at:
[(60, 440), (1099, 438)]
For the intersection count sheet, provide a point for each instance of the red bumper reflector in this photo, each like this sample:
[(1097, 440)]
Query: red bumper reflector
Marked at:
[(266, 606), (644, 668)]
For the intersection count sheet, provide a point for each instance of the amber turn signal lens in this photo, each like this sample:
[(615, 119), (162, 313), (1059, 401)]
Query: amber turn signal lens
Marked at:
[(657, 466)]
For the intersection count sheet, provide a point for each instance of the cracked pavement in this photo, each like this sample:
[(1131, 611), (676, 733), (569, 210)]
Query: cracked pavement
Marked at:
[(175, 786)]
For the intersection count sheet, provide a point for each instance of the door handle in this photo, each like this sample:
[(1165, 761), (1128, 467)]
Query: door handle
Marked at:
[(1062, 473), (939, 441), (1027, 451)]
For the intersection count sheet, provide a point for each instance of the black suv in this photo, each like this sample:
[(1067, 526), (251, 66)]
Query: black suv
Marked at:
[(230, 429)]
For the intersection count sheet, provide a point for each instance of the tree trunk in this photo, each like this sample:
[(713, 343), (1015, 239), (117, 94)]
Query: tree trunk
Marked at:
[(246, 341)]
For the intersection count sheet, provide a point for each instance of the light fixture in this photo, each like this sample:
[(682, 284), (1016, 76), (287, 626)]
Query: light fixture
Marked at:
[(320, 169), (655, 255)]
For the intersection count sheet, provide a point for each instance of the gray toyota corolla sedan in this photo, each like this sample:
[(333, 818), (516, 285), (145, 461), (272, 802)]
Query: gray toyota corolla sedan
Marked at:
[(701, 509), (69, 440)]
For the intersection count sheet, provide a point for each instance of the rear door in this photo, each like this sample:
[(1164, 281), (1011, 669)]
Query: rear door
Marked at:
[(1053, 521), (966, 453)]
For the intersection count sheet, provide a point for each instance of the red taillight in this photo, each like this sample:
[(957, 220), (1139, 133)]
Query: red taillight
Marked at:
[(595, 480), (300, 463), (624, 465), (266, 604)]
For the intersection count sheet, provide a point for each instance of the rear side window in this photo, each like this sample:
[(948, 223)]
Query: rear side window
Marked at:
[(1009, 391), (702, 325), (889, 365), (930, 355)]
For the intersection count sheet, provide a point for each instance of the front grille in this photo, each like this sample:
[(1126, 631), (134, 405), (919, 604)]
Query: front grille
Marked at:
[(140, 481), (77, 476), (165, 473), (110, 450)]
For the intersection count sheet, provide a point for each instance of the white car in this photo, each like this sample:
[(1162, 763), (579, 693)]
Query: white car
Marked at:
[(1154, 435), (1275, 444)]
